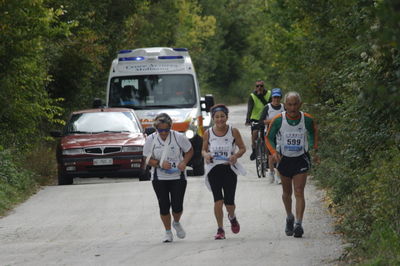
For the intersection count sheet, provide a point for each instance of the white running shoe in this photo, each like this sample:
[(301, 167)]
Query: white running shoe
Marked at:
[(168, 237), (179, 229), (271, 176), (277, 179)]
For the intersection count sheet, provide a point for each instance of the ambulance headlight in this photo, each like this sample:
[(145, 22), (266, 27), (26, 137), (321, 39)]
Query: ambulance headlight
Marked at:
[(189, 134)]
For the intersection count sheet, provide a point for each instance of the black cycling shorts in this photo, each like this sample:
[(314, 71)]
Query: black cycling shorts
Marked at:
[(170, 193), (291, 166), (223, 183)]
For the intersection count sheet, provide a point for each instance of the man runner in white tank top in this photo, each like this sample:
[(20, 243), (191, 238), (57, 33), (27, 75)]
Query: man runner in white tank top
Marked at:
[(291, 135)]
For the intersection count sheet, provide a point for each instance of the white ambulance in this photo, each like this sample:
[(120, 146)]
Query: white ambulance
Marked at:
[(157, 80)]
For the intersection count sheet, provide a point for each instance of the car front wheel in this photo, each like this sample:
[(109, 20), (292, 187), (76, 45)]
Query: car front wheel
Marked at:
[(64, 179)]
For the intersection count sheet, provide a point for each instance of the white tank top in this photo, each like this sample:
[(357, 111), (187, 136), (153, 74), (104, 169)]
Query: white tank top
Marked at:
[(221, 147), (174, 145), (272, 112), (293, 139)]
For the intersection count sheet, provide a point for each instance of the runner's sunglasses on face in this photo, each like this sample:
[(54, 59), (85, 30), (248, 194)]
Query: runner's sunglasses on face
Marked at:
[(161, 130), (259, 85)]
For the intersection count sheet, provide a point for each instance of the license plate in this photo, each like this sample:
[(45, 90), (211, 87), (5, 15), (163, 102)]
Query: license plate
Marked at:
[(103, 161)]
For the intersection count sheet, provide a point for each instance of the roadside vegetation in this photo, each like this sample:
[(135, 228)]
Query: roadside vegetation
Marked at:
[(342, 56)]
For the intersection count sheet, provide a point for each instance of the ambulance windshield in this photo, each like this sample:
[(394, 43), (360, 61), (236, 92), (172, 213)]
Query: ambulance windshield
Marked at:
[(153, 91)]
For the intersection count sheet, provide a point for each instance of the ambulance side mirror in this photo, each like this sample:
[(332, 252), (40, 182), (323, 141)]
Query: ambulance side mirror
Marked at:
[(149, 130), (206, 102)]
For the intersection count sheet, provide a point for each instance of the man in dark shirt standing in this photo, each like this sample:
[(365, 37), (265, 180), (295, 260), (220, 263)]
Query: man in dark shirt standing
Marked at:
[(257, 100)]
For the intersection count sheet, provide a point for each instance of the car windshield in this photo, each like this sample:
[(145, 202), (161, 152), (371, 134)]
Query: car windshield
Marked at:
[(99, 122), (153, 91)]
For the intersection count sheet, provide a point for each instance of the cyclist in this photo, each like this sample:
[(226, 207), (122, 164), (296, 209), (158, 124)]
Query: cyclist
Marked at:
[(257, 100), (270, 110), (291, 135)]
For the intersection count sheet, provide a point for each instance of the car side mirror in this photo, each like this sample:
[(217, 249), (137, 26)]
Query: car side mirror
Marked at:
[(149, 130), (55, 134), (207, 102)]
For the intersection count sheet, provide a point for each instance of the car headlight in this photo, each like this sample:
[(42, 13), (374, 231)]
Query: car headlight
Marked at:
[(72, 151), (132, 149), (189, 134)]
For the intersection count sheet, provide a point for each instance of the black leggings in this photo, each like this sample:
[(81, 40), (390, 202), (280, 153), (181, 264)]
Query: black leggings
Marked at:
[(166, 188), (223, 183)]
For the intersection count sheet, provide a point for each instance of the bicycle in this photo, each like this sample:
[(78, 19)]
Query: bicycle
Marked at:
[(261, 156)]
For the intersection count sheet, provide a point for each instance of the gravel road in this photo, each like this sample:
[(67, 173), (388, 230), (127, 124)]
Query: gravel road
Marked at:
[(116, 222)]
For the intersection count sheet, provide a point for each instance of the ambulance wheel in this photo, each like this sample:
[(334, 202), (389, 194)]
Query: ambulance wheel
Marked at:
[(198, 167), (145, 175)]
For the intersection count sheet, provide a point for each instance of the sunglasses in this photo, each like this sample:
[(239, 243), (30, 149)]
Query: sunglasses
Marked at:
[(160, 130), (259, 86)]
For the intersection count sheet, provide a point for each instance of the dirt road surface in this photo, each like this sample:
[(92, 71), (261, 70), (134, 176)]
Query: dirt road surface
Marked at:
[(116, 222)]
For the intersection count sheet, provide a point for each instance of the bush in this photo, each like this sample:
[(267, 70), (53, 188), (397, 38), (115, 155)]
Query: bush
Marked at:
[(45, 166), (366, 198), (16, 183), (382, 247)]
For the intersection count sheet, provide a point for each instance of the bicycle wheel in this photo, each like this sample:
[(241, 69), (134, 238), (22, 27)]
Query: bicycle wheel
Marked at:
[(263, 156), (259, 162)]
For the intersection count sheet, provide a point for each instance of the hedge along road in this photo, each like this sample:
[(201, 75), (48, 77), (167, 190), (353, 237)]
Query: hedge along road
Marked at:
[(116, 222)]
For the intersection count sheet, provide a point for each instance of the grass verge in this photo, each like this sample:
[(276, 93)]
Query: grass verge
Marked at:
[(22, 176)]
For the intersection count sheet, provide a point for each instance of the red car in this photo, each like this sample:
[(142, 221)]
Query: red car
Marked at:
[(104, 142)]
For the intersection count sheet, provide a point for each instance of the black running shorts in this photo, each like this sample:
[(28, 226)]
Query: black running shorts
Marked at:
[(170, 194), (223, 183), (291, 166)]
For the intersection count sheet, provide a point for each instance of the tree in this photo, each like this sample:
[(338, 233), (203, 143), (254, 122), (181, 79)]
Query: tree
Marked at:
[(26, 26)]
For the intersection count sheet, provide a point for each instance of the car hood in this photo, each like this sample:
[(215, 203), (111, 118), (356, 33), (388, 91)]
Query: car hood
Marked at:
[(102, 139)]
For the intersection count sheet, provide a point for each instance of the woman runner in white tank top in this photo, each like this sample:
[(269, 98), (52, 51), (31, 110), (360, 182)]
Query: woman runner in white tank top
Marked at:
[(222, 146), (163, 151)]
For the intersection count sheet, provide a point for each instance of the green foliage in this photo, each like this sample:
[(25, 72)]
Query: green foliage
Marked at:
[(16, 183), (344, 56), (45, 166), (385, 244), (25, 27)]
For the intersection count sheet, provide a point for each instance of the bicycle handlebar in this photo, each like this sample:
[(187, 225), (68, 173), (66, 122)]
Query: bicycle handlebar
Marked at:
[(252, 123)]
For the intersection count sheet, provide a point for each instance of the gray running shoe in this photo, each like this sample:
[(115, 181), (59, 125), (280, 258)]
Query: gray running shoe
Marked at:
[(179, 229), (289, 226), (168, 237), (298, 230)]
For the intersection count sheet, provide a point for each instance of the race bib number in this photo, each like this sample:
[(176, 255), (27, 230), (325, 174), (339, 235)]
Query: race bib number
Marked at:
[(174, 167), (294, 142), (220, 154)]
